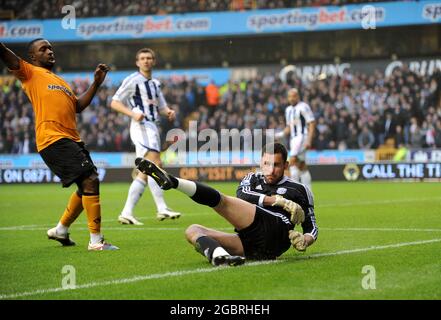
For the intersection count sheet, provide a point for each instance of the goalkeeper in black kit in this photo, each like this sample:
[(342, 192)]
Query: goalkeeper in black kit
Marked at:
[(267, 208)]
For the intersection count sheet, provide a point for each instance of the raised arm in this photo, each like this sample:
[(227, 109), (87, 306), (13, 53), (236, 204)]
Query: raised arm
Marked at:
[(9, 57), (99, 76)]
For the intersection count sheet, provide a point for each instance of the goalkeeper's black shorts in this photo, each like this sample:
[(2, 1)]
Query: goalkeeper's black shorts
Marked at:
[(267, 237), (69, 160)]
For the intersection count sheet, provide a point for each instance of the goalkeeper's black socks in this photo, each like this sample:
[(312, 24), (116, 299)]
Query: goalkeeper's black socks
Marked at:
[(206, 195), (174, 181), (206, 246), (198, 192)]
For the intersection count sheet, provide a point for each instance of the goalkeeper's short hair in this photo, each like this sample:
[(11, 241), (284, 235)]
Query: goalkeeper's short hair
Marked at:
[(274, 148)]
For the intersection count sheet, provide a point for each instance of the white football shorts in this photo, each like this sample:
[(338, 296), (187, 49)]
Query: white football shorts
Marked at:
[(297, 147), (145, 137)]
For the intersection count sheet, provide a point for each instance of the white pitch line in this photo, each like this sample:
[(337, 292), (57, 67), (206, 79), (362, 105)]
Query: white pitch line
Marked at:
[(355, 203), (318, 205), (22, 227), (383, 229), (388, 246), (133, 228), (47, 225), (207, 270), (108, 228), (130, 280)]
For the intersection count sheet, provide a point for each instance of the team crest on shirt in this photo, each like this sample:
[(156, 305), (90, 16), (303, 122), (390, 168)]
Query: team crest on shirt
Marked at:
[(281, 191), (259, 187)]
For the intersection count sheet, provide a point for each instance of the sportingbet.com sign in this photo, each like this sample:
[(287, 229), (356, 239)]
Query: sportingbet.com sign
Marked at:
[(370, 16)]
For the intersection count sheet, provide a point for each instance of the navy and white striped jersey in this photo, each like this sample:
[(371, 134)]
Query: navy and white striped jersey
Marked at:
[(136, 91), (297, 117), (253, 189)]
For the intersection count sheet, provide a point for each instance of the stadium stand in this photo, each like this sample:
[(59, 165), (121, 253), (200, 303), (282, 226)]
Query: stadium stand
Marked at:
[(353, 111), (50, 9), (356, 111)]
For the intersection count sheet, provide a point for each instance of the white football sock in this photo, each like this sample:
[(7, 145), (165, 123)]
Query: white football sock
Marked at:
[(219, 251), (158, 194), (95, 238), (61, 229), (294, 173), (135, 192), (305, 178), (186, 186)]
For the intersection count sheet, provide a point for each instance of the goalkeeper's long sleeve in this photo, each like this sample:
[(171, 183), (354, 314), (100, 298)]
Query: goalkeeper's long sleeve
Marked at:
[(245, 192)]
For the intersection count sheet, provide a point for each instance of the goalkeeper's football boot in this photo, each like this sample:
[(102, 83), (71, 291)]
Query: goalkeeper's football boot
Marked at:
[(61, 238), (167, 214), (228, 260), (102, 245), (160, 176)]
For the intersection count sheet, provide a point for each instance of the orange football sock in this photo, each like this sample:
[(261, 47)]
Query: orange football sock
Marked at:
[(93, 210), (73, 210)]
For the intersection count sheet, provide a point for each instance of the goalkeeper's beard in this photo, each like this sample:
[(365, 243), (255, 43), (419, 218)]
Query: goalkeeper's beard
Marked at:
[(271, 179)]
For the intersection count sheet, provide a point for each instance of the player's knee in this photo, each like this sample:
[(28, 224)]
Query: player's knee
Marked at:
[(156, 160), (141, 176), (91, 185), (193, 232), (154, 157)]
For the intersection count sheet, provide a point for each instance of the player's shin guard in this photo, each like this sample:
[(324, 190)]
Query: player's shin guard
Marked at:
[(199, 192), (135, 193), (206, 195), (73, 210), (157, 194), (93, 210), (206, 246)]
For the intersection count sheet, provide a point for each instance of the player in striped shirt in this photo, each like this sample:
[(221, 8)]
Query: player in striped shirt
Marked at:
[(140, 97), (300, 125)]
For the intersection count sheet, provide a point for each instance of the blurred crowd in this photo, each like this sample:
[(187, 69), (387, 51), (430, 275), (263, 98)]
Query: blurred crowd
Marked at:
[(50, 9), (353, 111)]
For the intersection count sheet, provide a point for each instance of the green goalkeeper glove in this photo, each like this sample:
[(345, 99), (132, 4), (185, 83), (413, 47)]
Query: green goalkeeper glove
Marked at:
[(297, 240), (296, 211)]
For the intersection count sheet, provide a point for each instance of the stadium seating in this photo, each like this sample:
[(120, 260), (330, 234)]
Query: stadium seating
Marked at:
[(49, 9), (342, 106)]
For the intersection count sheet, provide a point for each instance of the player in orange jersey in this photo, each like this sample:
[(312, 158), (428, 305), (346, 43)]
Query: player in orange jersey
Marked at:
[(58, 142)]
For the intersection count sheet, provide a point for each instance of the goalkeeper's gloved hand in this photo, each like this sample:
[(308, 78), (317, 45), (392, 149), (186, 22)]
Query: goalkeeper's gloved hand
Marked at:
[(297, 240), (297, 213)]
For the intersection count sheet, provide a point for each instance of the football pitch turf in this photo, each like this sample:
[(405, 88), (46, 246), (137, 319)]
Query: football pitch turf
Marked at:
[(377, 240)]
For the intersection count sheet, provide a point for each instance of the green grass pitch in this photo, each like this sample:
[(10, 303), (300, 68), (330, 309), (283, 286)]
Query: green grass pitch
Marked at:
[(393, 227)]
